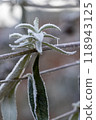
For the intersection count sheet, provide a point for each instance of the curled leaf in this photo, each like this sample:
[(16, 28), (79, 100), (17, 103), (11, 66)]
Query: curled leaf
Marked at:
[(15, 35), (58, 49), (26, 25), (50, 36), (45, 26)]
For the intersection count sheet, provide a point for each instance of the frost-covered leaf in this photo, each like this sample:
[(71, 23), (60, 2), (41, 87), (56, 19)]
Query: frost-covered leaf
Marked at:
[(31, 94), (8, 107), (26, 25), (24, 37), (75, 116), (41, 108), (58, 49), (51, 36), (39, 36), (20, 45), (17, 71), (36, 24), (45, 26), (39, 47), (15, 35)]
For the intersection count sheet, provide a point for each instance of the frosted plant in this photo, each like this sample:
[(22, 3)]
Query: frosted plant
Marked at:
[(37, 94), (35, 37)]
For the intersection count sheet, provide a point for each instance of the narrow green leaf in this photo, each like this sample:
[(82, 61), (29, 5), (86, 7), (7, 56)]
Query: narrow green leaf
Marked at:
[(15, 35), (58, 49), (23, 38), (75, 116), (31, 94), (17, 71), (26, 25), (41, 108), (20, 45), (45, 26), (8, 107), (36, 24), (49, 35)]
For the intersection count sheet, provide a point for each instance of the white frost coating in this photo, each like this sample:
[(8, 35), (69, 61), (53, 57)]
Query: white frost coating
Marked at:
[(17, 71), (26, 25), (15, 35), (35, 94), (24, 37), (39, 46), (51, 36), (45, 26), (39, 36)]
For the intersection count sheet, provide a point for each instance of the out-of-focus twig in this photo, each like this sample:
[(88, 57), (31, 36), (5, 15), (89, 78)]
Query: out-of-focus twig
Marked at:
[(46, 71), (48, 6)]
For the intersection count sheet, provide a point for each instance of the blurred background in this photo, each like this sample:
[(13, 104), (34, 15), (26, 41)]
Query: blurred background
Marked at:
[(62, 85)]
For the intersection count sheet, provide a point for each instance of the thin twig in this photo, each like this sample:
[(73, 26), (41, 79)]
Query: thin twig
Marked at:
[(45, 71), (65, 114), (15, 54), (61, 67)]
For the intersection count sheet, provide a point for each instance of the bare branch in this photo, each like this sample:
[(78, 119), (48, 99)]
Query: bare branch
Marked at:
[(15, 54), (46, 71), (61, 67)]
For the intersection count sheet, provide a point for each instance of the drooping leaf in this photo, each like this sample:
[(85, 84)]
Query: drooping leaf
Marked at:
[(8, 107), (31, 94), (26, 25), (15, 35), (41, 108), (36, 24), (49, 35), (58, 49), (75, 116), (45, 26)]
